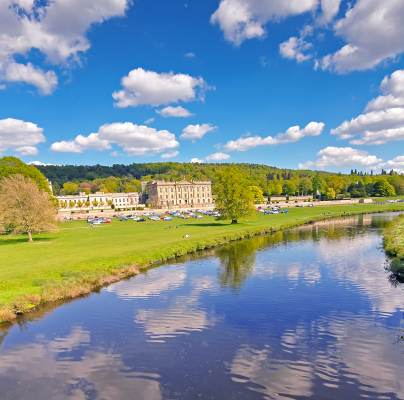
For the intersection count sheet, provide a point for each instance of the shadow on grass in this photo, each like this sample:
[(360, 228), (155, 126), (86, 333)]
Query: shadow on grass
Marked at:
[(17, 240)]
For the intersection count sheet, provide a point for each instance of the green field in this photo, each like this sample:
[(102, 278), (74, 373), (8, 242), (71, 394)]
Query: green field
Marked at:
[(79, 258)]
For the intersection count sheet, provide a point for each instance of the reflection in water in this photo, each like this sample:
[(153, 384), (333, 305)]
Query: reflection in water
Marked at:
[(237, 262), (67, 368), (313, 315)]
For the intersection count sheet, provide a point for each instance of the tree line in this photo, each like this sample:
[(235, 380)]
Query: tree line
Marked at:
[(271, 181)]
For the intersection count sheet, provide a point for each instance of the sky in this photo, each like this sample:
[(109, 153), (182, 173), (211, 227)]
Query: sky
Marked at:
[(313, 84)]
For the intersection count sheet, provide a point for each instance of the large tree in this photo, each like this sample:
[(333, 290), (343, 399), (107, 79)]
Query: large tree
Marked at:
[(24, 208), (14, 166), (233, 197)]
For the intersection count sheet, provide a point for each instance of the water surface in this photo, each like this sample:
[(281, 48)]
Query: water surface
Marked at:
[(307, 314)]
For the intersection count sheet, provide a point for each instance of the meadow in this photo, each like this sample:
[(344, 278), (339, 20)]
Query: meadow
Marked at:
[(79, 258)]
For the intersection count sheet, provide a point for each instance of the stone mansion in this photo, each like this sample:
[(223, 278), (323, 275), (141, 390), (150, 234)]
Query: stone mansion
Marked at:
[(157, 194), (161, 194)]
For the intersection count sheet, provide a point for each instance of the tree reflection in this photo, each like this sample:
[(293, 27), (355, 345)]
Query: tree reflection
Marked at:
[(396, 270), (237, 262)]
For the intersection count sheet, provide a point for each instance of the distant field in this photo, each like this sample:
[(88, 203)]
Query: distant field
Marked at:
[(79, 258)]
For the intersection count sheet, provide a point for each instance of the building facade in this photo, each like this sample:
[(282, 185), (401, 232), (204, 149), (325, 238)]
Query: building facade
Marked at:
[(161, 194), (99, 201)]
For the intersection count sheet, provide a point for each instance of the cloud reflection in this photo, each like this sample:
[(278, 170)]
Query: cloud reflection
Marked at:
[(66, 369)]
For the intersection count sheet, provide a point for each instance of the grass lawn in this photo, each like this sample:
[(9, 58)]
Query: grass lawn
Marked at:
[(79, 258), (394, 240)]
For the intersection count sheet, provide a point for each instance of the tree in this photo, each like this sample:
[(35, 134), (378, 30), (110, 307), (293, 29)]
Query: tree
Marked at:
[(70, 188), (14, 166), (257, 194), (289, 188), (305, 186), (24, 208), (330, 193), (383, 188), (233, 195)]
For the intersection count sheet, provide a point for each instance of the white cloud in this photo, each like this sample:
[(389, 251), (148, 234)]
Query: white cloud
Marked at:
[(342, 157), (46, 82), (373, 31), (142, 87), (178, 112), (39, 163), (293, 134), (190, 55), (170, 154), (218, 157), (196, 160), (246, 19), (294, 48), (133, 139), (330, 9), (20, 136), (383, 118), (396, 163), (27, 150), (54, 29), (198, 131), (81, 143)]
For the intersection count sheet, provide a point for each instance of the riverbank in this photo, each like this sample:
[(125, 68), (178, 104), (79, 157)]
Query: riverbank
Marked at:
[(394, 244), (79, 259)]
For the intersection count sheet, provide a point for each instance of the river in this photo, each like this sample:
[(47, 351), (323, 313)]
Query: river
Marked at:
[(311, 313)]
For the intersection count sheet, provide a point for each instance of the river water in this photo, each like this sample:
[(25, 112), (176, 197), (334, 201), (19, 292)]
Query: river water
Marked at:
[(307, 314)]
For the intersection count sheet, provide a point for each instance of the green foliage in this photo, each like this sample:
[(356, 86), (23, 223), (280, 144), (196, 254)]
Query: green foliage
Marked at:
[(233, 197), (14, 166), (272, 181), (330, 193), (289, 188), (70, 188), (383, 188), (257, 193)]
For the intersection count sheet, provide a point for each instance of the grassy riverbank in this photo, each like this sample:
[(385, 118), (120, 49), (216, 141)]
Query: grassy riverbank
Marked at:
[(78, 258), (394, 244)]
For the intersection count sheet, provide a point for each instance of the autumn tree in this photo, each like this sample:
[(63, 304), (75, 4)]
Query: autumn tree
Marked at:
[(24, 208), (233, 195)]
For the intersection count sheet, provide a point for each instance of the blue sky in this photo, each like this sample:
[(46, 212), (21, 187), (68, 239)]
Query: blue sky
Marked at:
[(264, 81)]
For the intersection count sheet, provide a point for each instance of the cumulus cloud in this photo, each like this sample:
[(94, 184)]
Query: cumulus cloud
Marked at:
[(131, 138), (373, 31), (142, 87), (342, 157), (177, 112), (46, 82), (218, 157), (52, 28), (20, 136), (330, 9), (295, 48), (293, 134), (241, 20), (383, 118), (396, 163), (196, 160), (170, 154), (196, 132)]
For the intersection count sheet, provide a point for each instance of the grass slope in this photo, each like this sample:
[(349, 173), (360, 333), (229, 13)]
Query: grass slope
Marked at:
[(79, 258), (394, 243)]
